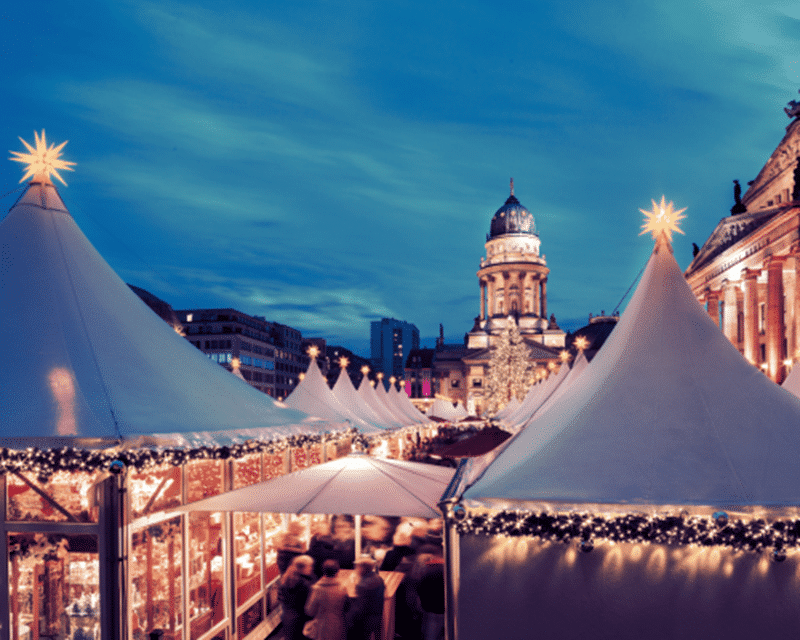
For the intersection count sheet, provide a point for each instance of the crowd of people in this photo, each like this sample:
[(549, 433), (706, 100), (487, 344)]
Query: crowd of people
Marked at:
[(315, 600)]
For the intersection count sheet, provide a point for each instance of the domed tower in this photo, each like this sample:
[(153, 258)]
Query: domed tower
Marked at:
[(513, 280)]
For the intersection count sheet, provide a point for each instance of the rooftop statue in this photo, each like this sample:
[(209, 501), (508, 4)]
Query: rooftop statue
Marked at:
[(793, 108)]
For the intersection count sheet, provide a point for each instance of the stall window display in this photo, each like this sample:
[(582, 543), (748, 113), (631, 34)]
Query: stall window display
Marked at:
[(62, 497), (206, 572), (247, 550), (247, 471), (154, 490), (54, 586), (204, 478), (156, 563)]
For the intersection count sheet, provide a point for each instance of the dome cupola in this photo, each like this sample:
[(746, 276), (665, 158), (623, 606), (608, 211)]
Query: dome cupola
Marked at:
[(512, 218)]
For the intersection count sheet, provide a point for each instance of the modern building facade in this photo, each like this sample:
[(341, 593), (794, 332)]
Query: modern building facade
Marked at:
[(228, 336), (391, 341), (747, 273)]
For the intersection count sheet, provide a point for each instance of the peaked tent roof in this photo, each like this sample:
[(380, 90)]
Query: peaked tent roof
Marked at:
[(792, 382), (531, 404), (86, 361), (346, 394), (387, 400), (571, 376), (405, 405), (314, 397), (509, 409), (370, 397), (445, 410), (668, 414)]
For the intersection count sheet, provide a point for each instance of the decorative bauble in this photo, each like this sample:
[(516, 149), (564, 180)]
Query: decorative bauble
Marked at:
[(721, 518), (459, 512), (778, 555), (587, 546)]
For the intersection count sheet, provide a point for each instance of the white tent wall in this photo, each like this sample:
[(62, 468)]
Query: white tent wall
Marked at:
[(537, 589)]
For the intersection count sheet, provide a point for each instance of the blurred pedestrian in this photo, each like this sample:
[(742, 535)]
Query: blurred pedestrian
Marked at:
[(365, 616), (327, 604), (293, 592)]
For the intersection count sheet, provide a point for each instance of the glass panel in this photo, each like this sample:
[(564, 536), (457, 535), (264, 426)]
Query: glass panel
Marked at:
[(203, 479), (155, 569), (70, 491), (247, 549), (315, 454), (273, 528), (154, 490), (247, 470), (54, 586), (206, 573)]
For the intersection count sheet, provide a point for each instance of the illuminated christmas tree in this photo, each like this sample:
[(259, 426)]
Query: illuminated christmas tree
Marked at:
[(509, 369)]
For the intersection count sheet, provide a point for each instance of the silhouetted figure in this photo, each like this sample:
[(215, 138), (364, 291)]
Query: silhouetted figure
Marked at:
[(738, 207), (695, 249), (796, 190), (365, 616)]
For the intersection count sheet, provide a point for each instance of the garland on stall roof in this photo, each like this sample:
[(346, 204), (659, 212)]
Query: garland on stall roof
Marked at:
[(586, 528), (45, 462)]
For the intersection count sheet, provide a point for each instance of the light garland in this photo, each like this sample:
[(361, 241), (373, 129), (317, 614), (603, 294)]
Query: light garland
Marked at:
[(757, 535)]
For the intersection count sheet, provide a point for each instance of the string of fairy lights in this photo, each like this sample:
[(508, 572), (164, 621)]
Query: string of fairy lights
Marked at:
[(587, 529)]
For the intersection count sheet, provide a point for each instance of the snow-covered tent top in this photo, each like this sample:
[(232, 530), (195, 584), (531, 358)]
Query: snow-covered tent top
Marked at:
[(314, 397), (370, 397), (87, 362), (669, 413)]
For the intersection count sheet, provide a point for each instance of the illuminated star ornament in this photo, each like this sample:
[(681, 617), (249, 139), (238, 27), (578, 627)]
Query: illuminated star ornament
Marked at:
[(662, 219), (42, 160), (581, 343)]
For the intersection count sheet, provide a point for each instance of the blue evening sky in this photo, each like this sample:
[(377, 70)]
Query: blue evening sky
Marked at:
[(325, 164)]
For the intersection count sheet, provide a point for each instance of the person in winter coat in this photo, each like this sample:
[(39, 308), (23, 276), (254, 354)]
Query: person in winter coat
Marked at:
[(293, 592), (365, 616), (327, 604)]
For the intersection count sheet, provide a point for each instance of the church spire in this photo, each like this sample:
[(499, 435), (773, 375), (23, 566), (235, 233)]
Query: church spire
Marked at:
[(512, 186)]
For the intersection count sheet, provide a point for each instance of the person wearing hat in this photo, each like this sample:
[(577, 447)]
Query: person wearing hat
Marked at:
[(365, 616)]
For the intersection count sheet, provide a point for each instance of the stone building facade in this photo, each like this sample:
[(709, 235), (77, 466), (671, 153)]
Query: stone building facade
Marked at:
[(746, 273)]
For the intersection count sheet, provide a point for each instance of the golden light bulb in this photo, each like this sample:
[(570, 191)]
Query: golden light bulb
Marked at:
[(313, 351), (380, 375), (343, 362), (365, 369), (42, 160), (236, 363), (564, 356)]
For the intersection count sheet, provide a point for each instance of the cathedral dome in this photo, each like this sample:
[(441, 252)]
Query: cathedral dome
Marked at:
[(512, 217)]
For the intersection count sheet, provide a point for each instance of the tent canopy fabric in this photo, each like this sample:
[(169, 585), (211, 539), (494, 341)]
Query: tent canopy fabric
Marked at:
[(87, 362), (314, 397), (668, 413), (371, 399), (402, 400), (346, 394), (354, 484)]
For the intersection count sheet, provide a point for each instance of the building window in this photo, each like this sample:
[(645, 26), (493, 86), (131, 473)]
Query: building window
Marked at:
[(477, 382), (454, 383), (762, 318)]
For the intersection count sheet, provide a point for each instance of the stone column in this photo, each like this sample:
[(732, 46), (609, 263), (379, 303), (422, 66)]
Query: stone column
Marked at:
[(751, 315), (712, 298), (483, 299), (791, 280), (775, 328), (501, 304), (537, 309), (490, 301), (730, 312), (544, 299)]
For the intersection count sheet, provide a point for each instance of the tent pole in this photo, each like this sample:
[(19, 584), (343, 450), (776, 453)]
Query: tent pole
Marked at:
[(358, 536)]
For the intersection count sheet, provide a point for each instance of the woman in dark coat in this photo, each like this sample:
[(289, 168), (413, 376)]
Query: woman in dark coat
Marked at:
[(293, 592)]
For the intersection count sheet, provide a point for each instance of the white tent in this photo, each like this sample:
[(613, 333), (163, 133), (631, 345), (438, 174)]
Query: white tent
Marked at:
[(346, 394), (532, 402), (668, 417), (444, 410), (404, 403), (314, 397), (370, 397), (88, 362), (509, 409), (387, 399), (792, 382)]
